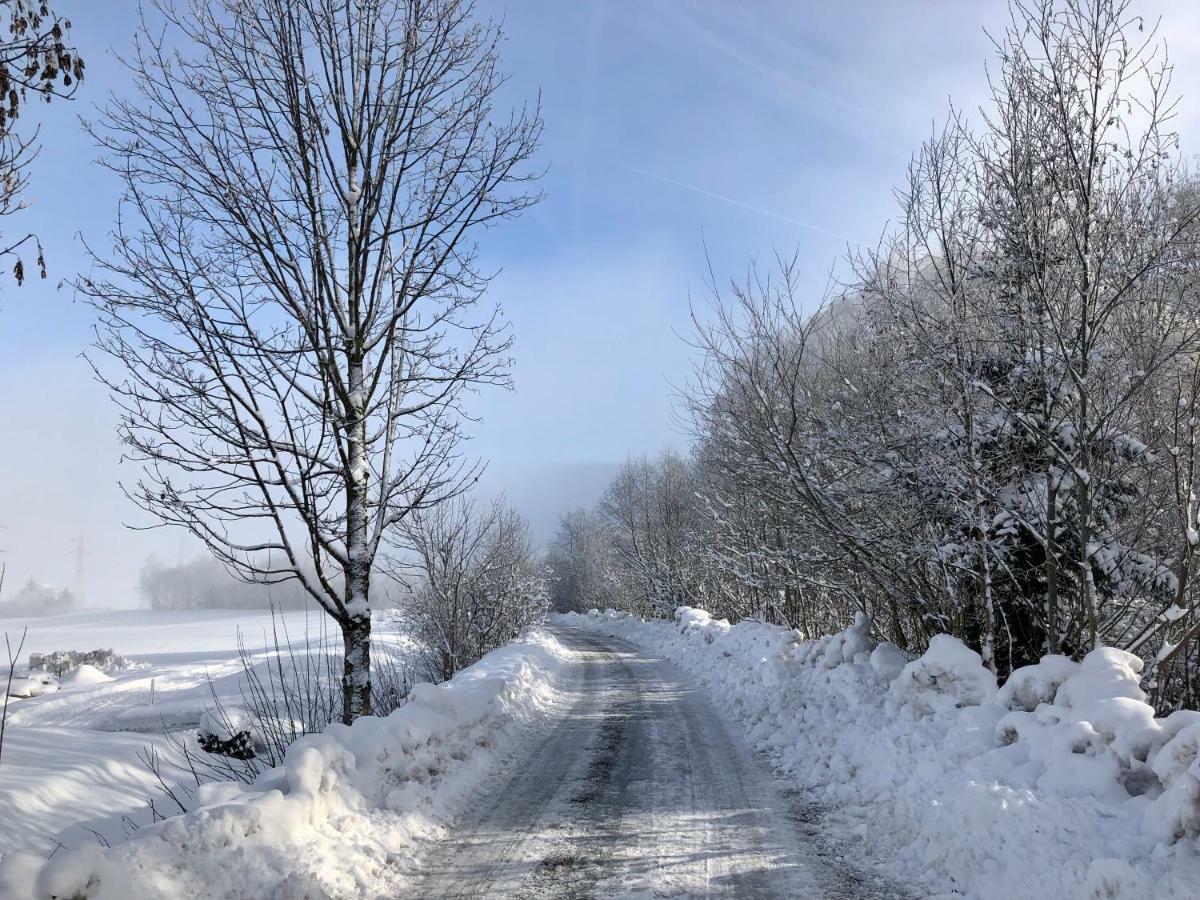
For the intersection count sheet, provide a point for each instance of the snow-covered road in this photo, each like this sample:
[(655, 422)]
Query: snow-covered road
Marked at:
[(639, 790)]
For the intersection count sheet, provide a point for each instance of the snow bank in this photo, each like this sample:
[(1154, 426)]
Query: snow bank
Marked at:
[(1059, 784), (341, 817), (68, 768)]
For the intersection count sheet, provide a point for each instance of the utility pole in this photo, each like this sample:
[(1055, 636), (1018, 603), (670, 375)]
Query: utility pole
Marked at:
[(80, 551)]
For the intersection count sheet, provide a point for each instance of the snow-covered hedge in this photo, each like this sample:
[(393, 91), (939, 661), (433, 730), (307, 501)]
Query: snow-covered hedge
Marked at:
[(344, 814), (60, 662), (1060, 783)]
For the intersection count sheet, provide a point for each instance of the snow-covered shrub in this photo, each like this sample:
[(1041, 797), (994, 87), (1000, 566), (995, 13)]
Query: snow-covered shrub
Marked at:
[(60, 662), (1182, 747), (1081, 729), (947, 676), (228, 733), (477, 580), (1030, 686), (33, 685), (846, 645), (689, 619), (692, 621), (236, 746), (832, 650), (1176, 813), (1106, 693)]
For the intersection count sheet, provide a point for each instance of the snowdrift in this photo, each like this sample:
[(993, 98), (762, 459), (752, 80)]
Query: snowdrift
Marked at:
[(22, 687), (1060, 784), (342, 817)]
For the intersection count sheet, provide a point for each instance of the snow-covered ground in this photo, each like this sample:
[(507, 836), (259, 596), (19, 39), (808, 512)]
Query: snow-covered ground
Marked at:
[(345, 815), (70, 772), (1059, 784), (640, 789)]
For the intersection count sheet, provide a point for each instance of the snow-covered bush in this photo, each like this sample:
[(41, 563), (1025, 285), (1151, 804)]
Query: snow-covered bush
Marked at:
[(224, 732), (477, 581), (60, 662), (834, 649), (1092, 738), (845, 646), (691, 620), (237, 746), (32, 685), (1175, 814), (1030, 686), (688, 618), (949, 675)]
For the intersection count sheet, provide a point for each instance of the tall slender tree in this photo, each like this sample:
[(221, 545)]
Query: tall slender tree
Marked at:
[(290, 311)]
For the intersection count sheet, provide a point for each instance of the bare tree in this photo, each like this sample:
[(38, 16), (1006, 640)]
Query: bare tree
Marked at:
[(1174, 628), (961, 440), (1080, 156), (921, 295), (478, 581), (649, 509), (581, 563), (289, 312), (807, 405)]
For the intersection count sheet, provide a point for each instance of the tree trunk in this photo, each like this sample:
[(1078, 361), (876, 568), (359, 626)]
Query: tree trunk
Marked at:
[(356, 670), (987, 643), (356, 682), (1052, 636), (1083, 493)]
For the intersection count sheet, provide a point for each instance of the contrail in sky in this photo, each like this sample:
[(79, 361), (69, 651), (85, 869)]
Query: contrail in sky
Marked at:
[(715, 196)]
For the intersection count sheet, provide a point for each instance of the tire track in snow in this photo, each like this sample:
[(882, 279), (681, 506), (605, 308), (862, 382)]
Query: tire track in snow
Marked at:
[(639, 789)]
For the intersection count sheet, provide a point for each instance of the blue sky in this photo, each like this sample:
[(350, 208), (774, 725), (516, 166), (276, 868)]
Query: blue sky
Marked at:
[(670, 126)]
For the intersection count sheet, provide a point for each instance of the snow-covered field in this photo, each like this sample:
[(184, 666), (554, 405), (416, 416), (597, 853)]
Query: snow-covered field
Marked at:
[(345, 815), (1059, 784), (70, 772)]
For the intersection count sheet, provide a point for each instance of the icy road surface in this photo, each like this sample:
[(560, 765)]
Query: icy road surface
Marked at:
[(639, 790)]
